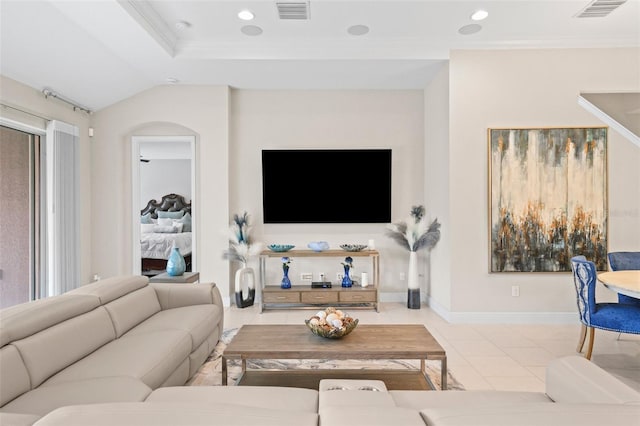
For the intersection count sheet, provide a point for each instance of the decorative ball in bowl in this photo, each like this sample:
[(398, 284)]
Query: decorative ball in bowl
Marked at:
[(280, 247), (331, 323), (318, 245), (353, 247)]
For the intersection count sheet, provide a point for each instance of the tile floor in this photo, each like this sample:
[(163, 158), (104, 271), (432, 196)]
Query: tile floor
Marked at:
[(485, 356)]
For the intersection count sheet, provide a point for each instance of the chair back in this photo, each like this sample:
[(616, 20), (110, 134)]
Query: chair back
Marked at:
[(624, 260), (584, 279)]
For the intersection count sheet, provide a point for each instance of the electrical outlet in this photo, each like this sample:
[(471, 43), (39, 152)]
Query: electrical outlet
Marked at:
[(515, 291), (339, 276), (306, 276), (403, 276)]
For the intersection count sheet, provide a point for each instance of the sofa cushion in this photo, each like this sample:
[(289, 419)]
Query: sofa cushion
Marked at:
[(534, 414), (133, 308), (112, 288), (53, 349), (151, 357), (370, 416), (20, 321), (44, 399), (15, 378), (575, 379), (15, 419), (177, 295), (183, 413), (197, 320), (420, 399), (275, 397)]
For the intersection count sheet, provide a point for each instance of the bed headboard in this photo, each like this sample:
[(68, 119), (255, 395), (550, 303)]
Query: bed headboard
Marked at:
[(169, 203)]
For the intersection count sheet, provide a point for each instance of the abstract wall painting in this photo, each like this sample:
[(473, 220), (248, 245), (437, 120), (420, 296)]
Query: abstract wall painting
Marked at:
[(548, 190)]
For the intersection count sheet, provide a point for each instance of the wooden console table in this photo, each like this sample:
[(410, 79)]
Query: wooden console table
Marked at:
[(299, 296)]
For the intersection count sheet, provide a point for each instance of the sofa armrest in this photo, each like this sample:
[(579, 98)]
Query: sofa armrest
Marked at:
[(177, 295), (574, 379)]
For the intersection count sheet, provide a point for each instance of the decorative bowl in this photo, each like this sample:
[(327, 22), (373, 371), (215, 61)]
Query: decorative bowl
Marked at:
[(353, 247), (318, 245), (331, 323), (280, 247)]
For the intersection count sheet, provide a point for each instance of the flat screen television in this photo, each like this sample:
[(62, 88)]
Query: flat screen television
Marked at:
[(326, 185)]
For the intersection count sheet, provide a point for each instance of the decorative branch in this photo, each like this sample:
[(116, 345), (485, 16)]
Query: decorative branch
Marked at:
[(415, 234)]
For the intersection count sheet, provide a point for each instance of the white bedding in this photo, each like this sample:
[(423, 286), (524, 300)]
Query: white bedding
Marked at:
[(158, 245)]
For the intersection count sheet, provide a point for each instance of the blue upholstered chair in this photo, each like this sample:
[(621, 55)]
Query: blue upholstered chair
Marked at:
[(622, 261), (618, 317)]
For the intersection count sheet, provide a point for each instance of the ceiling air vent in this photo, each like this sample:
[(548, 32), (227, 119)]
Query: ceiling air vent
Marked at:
[(600, 8), (293, 10)]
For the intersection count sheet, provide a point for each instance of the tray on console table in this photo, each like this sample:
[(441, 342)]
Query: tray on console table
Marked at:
[(300, 296)]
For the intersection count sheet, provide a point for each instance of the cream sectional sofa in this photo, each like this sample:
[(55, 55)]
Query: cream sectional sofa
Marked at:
[(114, 340), (119, 351), (577, 393)]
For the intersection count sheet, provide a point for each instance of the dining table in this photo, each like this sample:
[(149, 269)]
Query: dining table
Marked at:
[(625, 282)]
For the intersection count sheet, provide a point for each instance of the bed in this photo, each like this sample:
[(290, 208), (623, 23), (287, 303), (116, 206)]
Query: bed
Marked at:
[(164, 224)]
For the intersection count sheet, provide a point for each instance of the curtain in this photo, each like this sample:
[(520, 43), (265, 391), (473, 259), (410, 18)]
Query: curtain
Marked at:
[(62, 262)]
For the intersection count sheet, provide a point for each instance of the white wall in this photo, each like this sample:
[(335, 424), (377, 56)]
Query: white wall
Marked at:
[(156, 182), (527, 88), (165, 110), (18, 95), (328, 119), (506, 88), (437, 187)]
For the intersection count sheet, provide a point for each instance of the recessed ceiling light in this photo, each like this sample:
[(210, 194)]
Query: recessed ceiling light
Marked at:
[(245, 15), (357, 30), (469, 29), (251, 30), (182, 25), (479, 15), (172, 80)]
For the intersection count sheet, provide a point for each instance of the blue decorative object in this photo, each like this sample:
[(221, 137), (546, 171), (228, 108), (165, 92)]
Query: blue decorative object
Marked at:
[(620, 317), (346, 279), (280, 247), (318, 245), (175, 264), (286, 282)]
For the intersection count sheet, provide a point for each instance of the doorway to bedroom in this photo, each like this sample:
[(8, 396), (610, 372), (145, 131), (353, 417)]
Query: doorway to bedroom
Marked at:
[(163, 188)]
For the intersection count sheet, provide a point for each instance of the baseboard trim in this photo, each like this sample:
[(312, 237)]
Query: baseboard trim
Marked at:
[(504, 317), (489, 317)]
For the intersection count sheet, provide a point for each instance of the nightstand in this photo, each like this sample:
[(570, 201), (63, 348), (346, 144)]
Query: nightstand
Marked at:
[(187, 277)]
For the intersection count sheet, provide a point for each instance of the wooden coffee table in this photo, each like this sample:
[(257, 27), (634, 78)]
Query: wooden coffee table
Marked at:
[(394, 341)]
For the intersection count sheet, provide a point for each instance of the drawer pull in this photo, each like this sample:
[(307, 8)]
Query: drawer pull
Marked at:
[(281, 297)]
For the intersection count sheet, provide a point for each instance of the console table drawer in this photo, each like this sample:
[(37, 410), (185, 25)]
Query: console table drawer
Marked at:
[(281, 297), (319, 297), (358, 296)]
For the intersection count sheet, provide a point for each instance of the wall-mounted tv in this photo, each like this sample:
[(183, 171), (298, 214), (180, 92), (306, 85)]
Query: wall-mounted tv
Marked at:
[(326, 185)]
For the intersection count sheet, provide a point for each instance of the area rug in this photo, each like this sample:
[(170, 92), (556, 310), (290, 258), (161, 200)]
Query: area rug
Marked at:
[(210, 373)]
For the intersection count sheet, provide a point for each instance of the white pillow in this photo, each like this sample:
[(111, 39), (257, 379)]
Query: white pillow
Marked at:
[(165, 221), (166, 229), (147, 228)]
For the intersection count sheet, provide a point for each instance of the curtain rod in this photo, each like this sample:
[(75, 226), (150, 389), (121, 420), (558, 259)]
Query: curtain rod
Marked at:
[(49, 92)]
